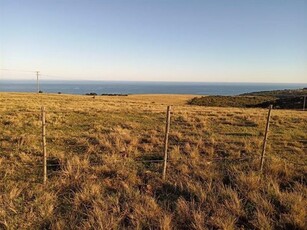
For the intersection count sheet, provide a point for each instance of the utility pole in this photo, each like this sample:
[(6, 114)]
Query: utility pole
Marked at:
[(37, 83)]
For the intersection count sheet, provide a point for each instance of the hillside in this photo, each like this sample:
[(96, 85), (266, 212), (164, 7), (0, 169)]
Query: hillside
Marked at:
[(279, 93), (231, 101), (104, 165), (280, 99)]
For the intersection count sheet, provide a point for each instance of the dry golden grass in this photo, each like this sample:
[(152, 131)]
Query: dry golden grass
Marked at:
[(100, 178)]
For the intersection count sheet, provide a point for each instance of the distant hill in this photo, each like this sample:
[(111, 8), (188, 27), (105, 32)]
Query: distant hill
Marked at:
[(280, 99), (231, 101), (279, 93)]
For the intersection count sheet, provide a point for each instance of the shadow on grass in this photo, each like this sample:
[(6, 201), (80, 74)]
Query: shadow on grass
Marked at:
[(53, 165), (239, 134), (152, 156), (168, 194)]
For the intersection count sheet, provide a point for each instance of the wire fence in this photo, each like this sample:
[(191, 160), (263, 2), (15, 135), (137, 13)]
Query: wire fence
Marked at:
[(239, 138)]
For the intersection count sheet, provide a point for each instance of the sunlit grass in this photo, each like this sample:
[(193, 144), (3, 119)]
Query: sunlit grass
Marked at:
[(100, 178)]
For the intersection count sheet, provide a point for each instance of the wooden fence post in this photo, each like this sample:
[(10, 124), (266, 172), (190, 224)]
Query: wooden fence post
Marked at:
[(265, 138), (167, 127), (44, 143), (304, 103)]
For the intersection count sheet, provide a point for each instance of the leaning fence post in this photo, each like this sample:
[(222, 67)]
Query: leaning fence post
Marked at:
[(44, 143), (265, 138), (167, 127)]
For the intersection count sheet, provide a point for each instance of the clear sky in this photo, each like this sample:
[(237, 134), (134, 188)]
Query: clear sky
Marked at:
[(155, 40)]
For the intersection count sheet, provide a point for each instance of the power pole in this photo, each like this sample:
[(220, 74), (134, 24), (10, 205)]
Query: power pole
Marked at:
[(37, 82)]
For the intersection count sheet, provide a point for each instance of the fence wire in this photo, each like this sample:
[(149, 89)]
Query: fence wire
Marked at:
[(188, 129)]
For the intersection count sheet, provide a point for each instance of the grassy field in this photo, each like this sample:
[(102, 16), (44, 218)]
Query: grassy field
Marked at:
[(101, 175)]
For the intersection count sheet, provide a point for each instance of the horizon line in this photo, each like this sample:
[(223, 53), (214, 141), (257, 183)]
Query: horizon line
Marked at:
[(151, 81)]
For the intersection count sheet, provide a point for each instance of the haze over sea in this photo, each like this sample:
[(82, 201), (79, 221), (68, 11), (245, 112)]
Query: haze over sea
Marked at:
[(138, 87)]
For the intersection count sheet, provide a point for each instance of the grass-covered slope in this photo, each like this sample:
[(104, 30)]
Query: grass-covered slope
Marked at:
[(100, 177), (279, 93), (285, 103), (280, 99), (230, 101)]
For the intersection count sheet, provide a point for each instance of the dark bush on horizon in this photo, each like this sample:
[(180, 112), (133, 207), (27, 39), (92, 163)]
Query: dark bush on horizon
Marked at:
[(106, 94), (113, 94)]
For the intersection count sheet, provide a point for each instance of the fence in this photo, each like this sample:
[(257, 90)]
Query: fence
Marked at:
[(189, 121)]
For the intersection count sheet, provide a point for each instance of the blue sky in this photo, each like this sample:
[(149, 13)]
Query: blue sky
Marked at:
[(170, 40)]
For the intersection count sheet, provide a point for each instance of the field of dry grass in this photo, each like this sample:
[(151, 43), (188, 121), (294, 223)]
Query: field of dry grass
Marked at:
[(100, 174)]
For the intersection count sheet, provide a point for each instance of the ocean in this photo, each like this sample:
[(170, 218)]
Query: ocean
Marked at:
[(129, 87)]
